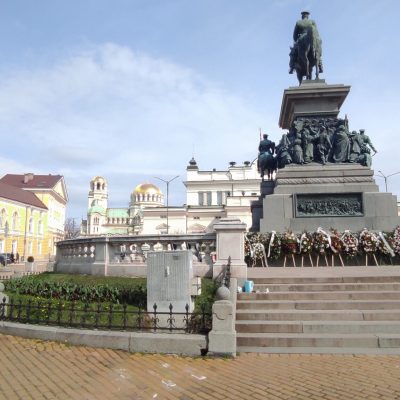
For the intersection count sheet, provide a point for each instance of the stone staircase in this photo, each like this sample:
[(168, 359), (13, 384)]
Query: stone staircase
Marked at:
[(326, 314)]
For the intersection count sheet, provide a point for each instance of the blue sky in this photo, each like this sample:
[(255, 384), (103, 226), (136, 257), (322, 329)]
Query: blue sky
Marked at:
[(131, 89)]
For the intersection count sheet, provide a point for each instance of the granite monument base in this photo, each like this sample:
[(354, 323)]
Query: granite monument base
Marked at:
[(340, 196)]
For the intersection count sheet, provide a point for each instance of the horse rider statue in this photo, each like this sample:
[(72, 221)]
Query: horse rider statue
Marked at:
[(306, 52), (266, 160)]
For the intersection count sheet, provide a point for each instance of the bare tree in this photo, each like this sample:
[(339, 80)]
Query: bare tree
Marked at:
[(71, 228)]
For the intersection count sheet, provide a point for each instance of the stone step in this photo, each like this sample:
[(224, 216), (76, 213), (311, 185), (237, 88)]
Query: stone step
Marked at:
[(320, 350), (325, 279), (344, 327), (319, 287), (323, 295), (318, 340), (318, 315), (318, 305)]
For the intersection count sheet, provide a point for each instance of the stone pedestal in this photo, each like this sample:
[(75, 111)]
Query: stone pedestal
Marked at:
[(313, 98), (335, 195), (267, 187), (222, 338), (341, 196), (230, 243)]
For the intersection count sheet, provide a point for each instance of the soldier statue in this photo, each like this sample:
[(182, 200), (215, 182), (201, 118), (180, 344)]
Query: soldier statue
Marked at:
[(266, 160)]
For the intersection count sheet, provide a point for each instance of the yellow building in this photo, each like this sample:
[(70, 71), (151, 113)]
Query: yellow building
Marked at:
[(46, 227)]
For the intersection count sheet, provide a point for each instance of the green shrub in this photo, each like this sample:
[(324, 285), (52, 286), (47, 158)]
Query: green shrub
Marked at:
[(87, 290), (207, 297)]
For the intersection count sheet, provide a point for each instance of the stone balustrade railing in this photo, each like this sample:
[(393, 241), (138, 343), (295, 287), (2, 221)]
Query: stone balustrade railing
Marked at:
[(126, 255)]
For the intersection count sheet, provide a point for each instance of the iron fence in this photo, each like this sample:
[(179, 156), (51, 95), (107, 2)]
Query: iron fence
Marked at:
[(110, 316), (224, 277)]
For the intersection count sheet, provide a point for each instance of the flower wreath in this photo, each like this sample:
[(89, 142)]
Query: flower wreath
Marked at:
[(336, 242), (289, 242), (305, 243), (385, 244), (350, 244), (396, 240), (274, 246), (321, 242), (368, 242)]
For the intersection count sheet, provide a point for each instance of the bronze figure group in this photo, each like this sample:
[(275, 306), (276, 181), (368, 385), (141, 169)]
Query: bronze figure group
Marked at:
[(318, 140)]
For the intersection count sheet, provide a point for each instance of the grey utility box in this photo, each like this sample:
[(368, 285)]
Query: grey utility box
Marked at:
[(169, 280)]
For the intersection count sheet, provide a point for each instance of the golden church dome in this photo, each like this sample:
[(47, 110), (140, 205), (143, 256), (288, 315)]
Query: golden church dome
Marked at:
[(147, 188)]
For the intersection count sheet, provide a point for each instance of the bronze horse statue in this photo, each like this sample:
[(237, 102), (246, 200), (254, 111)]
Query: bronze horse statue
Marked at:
[(266, 163), (306, 54)]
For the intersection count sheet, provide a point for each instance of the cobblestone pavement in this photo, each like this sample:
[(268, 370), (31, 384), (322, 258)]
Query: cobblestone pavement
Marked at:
[(33, 369)]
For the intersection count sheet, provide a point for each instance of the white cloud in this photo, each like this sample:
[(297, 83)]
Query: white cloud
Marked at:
[(113, 112)]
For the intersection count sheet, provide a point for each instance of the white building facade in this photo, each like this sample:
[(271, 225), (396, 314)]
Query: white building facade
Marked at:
[(210, 195)]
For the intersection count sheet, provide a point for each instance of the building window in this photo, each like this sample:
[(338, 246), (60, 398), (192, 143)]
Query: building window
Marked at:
[(14, 222), (2, 218), (219, 198), (209, 198), (40, 227), (30, 229), (196, 217), (30, 247), (39, 248), (201, 198), (1, 246), (14, 247), (163, 216), (95, 220)]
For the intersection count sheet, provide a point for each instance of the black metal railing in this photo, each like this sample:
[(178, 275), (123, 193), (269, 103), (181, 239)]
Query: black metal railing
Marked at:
[(224, 277), (104, 316)]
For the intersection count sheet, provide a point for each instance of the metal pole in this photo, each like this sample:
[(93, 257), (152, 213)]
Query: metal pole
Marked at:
[(167, 207), (5, 243), (385, 177), (167, 183)]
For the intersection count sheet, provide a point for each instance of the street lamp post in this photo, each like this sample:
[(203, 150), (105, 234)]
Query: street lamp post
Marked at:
[(167, 183), (5, 243), (385, 177)]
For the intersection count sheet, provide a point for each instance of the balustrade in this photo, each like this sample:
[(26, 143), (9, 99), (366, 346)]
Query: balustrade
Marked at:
[(111, 250), (126, 255)]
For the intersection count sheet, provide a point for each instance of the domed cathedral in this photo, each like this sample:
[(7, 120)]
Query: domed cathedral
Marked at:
[(147, 195), (104, 220), (210, 195)]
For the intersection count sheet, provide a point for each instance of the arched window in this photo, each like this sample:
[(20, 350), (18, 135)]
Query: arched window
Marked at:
[(98, 185), (14, 222), (30, 229), (2, 218)]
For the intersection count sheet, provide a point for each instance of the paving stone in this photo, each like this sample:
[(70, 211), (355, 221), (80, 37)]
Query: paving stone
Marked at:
[(88, 373)]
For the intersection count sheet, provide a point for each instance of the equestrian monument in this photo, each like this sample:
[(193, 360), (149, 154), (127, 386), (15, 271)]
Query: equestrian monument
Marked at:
[(319, 173)]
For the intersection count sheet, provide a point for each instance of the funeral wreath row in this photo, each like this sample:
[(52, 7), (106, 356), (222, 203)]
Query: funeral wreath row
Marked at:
[(273, 245)]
